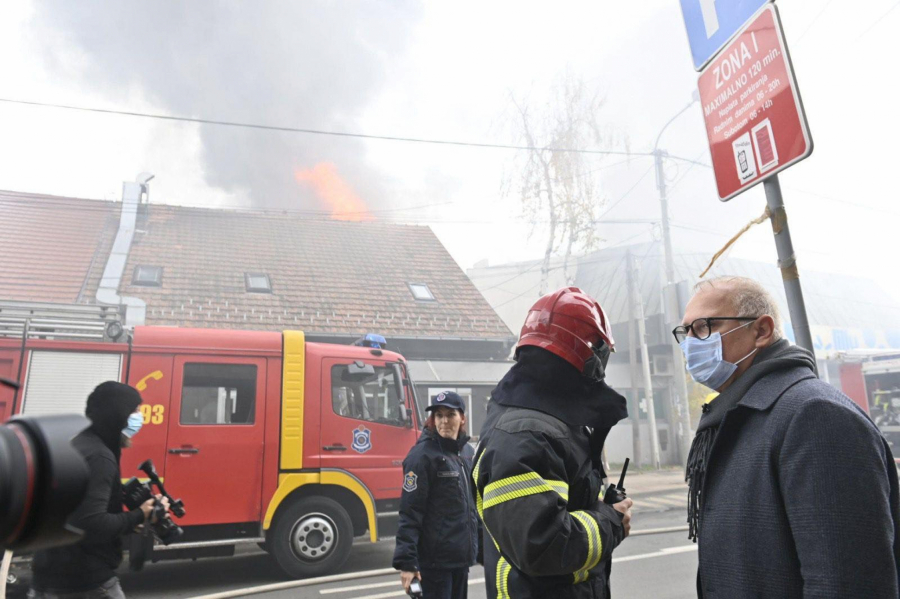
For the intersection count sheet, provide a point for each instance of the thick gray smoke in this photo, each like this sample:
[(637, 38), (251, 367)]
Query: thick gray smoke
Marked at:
[(289, 63)]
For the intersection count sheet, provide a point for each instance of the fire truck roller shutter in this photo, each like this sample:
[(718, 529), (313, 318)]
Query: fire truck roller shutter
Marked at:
[(292, 386), (60, 381)]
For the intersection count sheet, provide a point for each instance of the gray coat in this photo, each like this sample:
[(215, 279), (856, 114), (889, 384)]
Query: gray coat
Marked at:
[(800, 498)]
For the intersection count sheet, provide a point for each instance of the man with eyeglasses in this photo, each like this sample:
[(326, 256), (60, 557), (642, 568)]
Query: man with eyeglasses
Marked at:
[(793, 490)]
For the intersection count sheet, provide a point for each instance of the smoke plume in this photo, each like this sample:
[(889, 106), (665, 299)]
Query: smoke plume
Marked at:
[(294, 63)]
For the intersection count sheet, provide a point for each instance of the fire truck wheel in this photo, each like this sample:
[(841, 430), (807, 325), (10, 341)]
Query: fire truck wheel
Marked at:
[(312, 537)]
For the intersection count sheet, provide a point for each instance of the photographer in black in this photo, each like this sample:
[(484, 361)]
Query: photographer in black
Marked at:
[(87, 570)]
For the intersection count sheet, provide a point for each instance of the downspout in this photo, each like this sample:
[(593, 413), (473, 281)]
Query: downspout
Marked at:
[(108, 291)]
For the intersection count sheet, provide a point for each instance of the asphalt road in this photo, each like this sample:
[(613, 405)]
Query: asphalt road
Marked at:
[(659, 566)]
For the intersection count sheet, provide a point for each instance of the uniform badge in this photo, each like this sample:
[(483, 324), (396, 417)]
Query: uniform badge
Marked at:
[(362, 441), (409, 481)]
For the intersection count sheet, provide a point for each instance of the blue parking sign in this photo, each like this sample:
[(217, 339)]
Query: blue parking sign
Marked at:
[(711, 23)]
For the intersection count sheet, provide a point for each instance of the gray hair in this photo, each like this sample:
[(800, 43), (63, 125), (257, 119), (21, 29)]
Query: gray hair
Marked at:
[(748, 298)]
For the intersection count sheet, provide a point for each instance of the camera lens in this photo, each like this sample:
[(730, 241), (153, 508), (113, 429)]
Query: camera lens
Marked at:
[(17, 481), (42, 480)]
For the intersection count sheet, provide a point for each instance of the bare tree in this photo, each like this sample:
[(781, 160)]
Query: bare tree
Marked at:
[(558, 189)]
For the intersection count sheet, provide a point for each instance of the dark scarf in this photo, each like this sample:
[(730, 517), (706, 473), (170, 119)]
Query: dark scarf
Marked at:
[(542, 381), (781, 355)]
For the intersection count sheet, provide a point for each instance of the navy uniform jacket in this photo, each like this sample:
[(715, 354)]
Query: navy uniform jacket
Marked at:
[(438, 526)]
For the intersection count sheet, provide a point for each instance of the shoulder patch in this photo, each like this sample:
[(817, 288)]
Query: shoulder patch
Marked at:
[(409, 482)]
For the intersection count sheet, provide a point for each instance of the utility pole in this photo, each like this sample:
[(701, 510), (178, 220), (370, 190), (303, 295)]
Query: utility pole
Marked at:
[(648, 382), (635, 408), (680, 399), (787, 262)]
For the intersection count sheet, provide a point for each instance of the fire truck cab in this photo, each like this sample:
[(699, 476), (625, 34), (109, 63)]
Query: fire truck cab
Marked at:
[(267, 438)]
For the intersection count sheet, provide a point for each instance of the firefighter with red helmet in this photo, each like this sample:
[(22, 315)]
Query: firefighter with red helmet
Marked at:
[(538, 471)]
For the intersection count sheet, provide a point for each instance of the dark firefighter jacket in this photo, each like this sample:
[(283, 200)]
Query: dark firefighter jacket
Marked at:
[(438, 526), (546, 532)]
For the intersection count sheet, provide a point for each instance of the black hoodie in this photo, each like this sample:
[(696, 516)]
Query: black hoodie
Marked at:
[(91, 562)]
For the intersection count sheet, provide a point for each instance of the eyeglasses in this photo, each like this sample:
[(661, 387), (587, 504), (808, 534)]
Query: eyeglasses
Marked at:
[(702, 327)]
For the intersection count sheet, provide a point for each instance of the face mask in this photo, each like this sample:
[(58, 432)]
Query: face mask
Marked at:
[(135, 422), (705, 362), (595, 366)]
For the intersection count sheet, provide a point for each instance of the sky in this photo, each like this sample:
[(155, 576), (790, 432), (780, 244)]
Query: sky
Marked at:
[(442, 71)]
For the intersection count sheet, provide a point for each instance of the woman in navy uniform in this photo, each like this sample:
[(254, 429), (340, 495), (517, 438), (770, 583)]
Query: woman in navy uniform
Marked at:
[(437, 539)]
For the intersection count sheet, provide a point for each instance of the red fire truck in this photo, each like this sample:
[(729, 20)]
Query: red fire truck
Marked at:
[(267, 438)]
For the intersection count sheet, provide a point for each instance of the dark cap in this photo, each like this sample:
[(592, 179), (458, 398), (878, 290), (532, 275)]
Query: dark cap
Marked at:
[(448, 399)]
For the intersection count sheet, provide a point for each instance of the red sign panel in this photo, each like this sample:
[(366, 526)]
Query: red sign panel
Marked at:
[(754, 117)]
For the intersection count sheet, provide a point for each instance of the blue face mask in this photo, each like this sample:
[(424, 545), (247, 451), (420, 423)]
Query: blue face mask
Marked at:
[(705, 362), (135, 422)]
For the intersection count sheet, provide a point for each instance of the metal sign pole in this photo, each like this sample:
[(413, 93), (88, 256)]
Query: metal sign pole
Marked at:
[(787, 262)]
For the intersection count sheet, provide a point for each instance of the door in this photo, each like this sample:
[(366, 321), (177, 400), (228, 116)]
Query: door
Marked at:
[(366, 422), (214, 453)]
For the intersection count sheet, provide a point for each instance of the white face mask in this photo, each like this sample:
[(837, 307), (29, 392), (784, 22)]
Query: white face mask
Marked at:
[(705, 362)]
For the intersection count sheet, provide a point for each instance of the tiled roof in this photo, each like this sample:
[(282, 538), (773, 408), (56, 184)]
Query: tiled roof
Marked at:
[(327, 276), (48, 243)]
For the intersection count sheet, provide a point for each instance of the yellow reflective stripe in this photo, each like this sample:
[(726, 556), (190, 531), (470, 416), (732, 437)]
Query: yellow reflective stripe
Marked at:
[(502, 580), (478, 501), (522, 485), (595, 544), (560, 487)]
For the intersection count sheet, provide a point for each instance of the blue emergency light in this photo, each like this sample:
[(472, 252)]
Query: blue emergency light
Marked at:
[(372, 340)]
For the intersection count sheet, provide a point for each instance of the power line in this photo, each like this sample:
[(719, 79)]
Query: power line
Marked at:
[(813, 22), (878, 20), (202, 121), (626, 194)]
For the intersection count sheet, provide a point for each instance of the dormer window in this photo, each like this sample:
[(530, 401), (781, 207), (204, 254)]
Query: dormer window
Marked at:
[(147, 276), (257, 282), (421, 292)]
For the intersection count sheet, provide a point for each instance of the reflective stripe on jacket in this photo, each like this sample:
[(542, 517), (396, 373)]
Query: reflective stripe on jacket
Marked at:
[(546, 532)]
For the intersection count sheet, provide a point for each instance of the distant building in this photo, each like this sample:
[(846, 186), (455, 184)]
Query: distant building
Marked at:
[(845, 313), (244, 269)]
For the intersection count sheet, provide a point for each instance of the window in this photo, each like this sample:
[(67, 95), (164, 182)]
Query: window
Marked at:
[(218, 394), (148, 276), (421, 292), (366, 392), (257, 282)]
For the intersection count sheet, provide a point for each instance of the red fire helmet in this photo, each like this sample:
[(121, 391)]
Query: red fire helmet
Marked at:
[(569, 323)]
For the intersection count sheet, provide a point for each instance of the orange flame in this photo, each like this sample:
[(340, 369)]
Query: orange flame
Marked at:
[(323, 178)]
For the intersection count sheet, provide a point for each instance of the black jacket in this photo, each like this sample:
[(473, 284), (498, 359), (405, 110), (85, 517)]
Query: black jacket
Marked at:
[(538, 483), (438, 526), (800, 498), (93, 560)]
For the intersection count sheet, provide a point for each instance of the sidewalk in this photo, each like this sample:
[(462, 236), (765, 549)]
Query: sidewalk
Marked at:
[(667, 480)]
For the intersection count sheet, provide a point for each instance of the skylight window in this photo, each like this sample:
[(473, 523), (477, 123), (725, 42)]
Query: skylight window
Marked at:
[(421, 292), (257, 282), (148, 276)]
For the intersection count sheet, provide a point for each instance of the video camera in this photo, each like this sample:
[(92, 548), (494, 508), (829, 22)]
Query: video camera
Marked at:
[(42, 480), (135, 493)]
